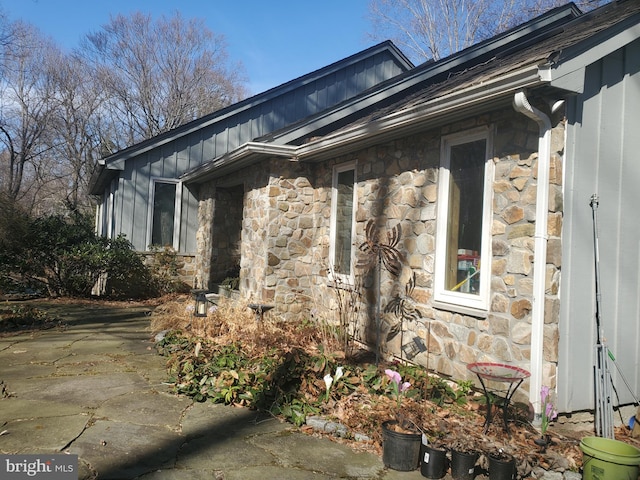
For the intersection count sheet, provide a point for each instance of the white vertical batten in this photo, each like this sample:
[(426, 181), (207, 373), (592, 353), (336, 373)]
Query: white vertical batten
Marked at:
[(522, 105)]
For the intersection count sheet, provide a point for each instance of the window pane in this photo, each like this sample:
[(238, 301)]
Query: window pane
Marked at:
[(464, 222), (344, 221), (164, 205)]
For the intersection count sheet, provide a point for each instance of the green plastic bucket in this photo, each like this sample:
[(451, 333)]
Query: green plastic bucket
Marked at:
[(607, 459)]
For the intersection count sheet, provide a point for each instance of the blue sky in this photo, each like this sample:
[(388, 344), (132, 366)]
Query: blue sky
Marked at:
[(275, 40)]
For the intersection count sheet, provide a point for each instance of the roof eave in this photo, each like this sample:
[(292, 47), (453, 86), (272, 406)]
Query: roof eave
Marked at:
[(459, 103), (245, 155), (449, 106), (403, 83)]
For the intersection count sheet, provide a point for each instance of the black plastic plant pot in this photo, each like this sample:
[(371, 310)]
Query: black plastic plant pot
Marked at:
[(463, 465), (400, 450), (502, 466), (434, 461)]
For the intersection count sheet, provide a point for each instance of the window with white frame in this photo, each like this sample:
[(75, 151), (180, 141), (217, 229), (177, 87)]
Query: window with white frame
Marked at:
[(343, 220), (164, 225), (463, 244)]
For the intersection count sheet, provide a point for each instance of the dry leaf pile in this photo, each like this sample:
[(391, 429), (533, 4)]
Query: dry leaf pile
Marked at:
[(454, 426)]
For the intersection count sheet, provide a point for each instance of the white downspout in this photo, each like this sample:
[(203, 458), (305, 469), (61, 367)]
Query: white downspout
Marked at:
[(522, 105)]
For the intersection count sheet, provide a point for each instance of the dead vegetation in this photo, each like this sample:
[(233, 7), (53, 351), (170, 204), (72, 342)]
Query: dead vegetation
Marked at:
[(232, 321), (360, 402)]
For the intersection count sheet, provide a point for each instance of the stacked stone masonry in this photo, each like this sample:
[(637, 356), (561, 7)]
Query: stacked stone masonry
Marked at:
[(286, 233)]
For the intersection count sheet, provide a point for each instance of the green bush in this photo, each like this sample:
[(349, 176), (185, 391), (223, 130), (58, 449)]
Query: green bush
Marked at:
[(128, 275), (62, 256), (14, 224)]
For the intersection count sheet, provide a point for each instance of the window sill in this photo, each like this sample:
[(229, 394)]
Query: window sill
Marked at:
[(470, 311)]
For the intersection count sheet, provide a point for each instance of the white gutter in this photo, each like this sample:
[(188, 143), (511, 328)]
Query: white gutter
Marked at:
[(413, 117), (522, 105), (244, 151)]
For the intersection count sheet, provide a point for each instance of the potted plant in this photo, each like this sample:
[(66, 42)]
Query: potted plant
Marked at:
[(502, 465), (401, 437), (433, 457), (464, 457)]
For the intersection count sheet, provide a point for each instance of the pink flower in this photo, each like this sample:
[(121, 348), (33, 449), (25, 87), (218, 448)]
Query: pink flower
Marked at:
[(548, 412), (396, 383), (393, 376), (544, 393)]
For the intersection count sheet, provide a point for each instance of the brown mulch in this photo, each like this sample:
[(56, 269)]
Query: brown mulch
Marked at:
[(461, 428)]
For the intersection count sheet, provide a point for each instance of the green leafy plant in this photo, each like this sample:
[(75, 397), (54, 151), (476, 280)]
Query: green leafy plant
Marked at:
[(225, 374), (294, 382), (231, 283), (232, 278), (465, 387), (442, 392)]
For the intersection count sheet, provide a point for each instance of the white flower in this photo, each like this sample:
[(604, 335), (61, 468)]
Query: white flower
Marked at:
[(328, 380), (339, 373)]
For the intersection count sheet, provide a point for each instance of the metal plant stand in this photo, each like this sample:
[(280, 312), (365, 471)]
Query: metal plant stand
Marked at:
[(499, 372)]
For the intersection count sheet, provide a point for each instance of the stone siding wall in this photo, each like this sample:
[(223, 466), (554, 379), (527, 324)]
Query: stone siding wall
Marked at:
[(227, 233), (298, 213), (285, 244), (254, 251), (206, 210), (398, 184)]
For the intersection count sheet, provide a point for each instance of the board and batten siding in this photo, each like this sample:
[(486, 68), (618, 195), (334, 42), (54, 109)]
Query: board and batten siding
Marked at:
[(223, 132), (603, 158)]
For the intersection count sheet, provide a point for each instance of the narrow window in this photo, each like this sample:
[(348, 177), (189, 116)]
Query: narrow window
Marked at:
[(164, 217), (342, 219), (463, 264)]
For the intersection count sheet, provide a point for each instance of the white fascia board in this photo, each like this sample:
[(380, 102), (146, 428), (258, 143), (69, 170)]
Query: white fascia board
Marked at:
[(243, 153), (412, 118)]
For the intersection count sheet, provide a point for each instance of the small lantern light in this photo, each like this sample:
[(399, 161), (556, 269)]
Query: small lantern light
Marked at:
[(200, 309)]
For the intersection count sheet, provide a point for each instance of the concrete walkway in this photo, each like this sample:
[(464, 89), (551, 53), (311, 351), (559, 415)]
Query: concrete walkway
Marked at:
[(95, 389)]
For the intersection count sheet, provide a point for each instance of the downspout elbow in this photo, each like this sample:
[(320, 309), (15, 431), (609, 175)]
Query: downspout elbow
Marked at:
[(521, 104)]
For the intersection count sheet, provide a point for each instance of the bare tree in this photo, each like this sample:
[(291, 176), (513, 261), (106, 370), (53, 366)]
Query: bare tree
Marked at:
[(60, 113), (434, 29), (26, 107), (78, 125), (159, 75)]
